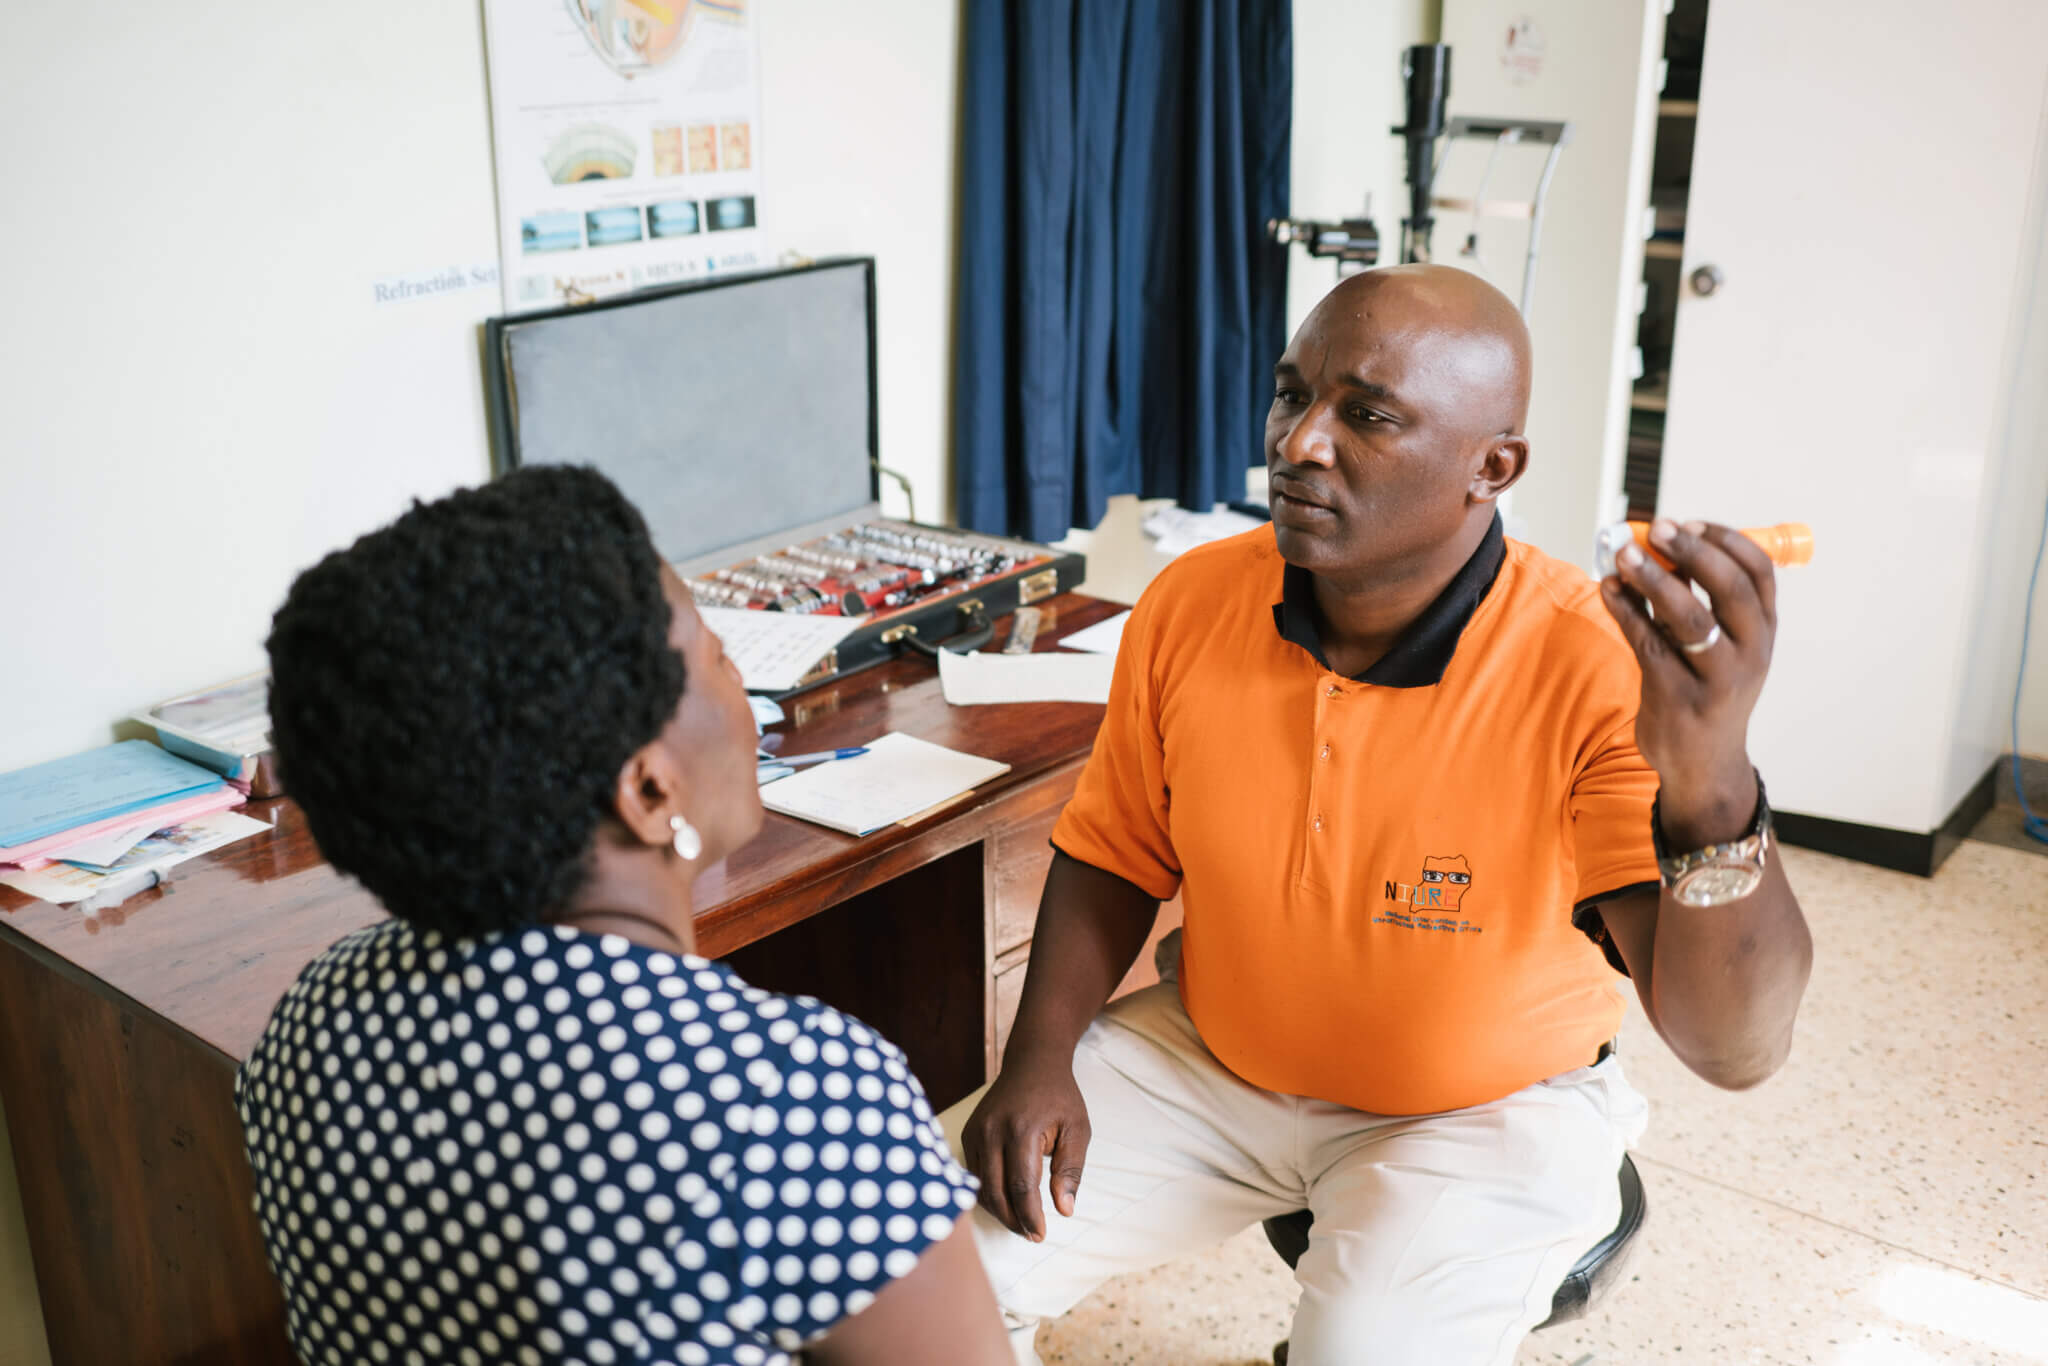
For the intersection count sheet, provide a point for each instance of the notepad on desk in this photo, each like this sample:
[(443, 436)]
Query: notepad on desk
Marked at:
[(775, 651), (899, 777), (978, 679)]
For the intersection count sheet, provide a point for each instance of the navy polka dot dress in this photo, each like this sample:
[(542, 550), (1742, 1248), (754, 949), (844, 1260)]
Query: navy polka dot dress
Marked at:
[(547, 1146)]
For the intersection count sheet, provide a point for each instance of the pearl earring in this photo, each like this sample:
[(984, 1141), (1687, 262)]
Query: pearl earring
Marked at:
[(688, 842)]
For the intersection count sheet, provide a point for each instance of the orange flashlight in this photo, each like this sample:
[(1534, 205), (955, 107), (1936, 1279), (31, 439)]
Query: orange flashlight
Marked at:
[(1787, 543)]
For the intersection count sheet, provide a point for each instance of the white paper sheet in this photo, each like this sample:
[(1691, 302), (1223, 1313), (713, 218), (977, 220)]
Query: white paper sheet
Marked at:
[(62, 884), (1175, 530), (978, 679), (898, 777), (774, 650), (102, 848), (1102, 638), (186, 840)]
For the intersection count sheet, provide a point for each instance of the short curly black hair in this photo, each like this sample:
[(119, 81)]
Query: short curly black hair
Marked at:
[(452, 697)]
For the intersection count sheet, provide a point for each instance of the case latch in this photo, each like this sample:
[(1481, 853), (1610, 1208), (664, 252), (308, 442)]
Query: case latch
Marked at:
[(1037, 587)]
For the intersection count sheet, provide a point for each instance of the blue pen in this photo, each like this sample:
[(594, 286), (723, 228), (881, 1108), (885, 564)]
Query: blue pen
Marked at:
[(791, 760)]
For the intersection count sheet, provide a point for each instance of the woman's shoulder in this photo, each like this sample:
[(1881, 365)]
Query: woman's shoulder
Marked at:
[(572, 1078), (677, 1053), (813, 1066)]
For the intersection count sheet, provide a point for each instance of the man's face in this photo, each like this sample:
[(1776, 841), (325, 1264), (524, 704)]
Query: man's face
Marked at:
[(1444, 881), (1382, 414)]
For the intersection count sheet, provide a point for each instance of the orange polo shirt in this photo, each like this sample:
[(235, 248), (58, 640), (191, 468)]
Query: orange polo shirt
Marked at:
[(1379, 874)]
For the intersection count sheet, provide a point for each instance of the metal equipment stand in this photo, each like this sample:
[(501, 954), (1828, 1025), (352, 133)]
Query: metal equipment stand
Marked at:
[(1501, 133), (1355, 242)]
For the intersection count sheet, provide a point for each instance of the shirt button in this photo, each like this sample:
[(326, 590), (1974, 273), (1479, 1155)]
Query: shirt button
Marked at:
[(1333, 691), (1319, 824), (1325, 754)]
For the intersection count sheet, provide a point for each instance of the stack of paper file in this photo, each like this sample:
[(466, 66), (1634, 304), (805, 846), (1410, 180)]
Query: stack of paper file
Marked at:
[(225, 728), (140, 864), (132, 786)]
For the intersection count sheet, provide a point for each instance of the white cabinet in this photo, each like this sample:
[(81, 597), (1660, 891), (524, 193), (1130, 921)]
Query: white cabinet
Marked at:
[(1594, 63), (1868, 181)]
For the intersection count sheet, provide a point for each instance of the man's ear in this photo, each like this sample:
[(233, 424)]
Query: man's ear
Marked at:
[(1504, 462), (649, 790)]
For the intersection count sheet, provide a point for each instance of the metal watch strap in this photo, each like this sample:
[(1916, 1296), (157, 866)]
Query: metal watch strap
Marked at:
[(1671, 865)]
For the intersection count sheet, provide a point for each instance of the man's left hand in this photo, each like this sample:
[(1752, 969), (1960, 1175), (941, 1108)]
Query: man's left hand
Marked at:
[(1693, 722)]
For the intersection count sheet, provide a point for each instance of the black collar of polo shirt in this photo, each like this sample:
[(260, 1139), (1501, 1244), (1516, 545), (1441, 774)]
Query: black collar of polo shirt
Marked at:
[(1424, 651)]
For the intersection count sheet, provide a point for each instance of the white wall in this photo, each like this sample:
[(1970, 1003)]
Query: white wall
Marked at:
[(2034, 702), (2024, 502), (1347, 94), (2012, 502), (858, 125), (202, 397), (1598, 70)]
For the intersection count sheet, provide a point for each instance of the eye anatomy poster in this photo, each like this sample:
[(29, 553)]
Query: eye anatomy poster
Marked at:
[(628, 144)]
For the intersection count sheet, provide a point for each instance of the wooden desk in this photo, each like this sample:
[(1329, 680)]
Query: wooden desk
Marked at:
[(121, 1033)]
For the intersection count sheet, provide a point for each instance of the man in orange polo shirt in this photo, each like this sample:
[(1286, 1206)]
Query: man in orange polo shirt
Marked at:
[(1401, 772)]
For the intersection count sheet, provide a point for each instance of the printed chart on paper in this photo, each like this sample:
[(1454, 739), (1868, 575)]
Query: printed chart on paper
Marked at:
[(628, 148)]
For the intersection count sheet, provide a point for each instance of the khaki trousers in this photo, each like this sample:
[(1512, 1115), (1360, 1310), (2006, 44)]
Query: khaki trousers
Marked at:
[(1438, 1238)]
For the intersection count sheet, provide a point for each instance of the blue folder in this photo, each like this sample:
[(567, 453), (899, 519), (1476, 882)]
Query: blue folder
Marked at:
[(46, 799)]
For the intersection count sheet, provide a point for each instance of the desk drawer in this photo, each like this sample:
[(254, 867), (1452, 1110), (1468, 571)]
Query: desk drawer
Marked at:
[(1018, 857), (1009, 979), (1009, 992)]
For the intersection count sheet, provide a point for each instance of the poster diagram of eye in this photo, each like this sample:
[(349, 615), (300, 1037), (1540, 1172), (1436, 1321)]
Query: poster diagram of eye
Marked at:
[(590, 151), (627, 144)]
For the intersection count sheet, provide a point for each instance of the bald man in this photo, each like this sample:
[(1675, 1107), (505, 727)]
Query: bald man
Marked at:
[(1425, 794)]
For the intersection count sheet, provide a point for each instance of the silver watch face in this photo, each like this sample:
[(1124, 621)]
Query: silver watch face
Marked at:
[(1716, 884)]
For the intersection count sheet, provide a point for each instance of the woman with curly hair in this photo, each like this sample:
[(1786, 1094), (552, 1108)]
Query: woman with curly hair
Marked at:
[(521, 1121)]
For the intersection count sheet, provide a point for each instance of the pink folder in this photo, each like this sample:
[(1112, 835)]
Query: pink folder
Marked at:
[(36, 853)]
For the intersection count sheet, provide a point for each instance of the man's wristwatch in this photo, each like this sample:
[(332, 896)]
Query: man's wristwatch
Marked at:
[(1719, 873)]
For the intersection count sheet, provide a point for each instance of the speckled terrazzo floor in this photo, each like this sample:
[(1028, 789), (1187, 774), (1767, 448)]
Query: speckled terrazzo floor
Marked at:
[(1882, 1202)]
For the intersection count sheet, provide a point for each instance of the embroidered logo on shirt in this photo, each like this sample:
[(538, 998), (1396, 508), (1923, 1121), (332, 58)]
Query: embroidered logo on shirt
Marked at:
[(1434, 902), (1444, 881)]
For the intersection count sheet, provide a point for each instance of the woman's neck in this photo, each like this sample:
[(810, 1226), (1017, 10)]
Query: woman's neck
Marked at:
[(634, 928), (638, 894)]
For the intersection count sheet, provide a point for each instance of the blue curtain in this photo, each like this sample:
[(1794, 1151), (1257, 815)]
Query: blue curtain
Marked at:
[(1120, 308)]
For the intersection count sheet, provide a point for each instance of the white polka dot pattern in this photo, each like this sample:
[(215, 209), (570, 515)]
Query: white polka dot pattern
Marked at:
[(545, 1146)]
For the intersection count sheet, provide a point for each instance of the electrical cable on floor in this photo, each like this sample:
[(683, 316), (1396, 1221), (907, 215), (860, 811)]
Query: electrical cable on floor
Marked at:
[(2031, 823)]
